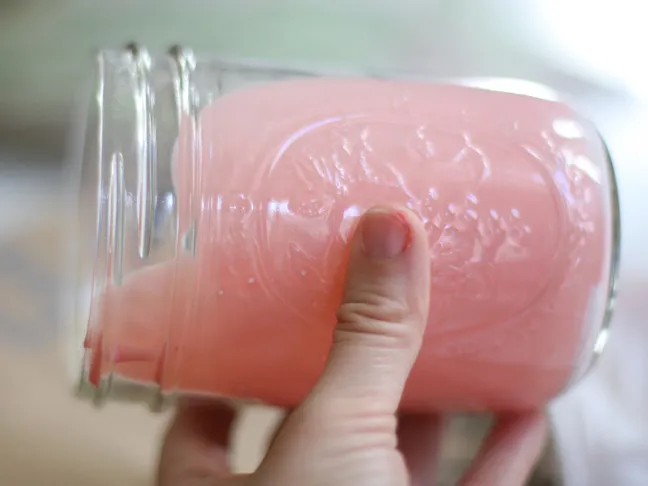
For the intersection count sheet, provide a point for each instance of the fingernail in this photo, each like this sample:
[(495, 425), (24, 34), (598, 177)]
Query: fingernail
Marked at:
[(385, 234)]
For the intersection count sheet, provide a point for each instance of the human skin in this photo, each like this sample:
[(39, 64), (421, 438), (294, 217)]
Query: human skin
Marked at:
[(348, 431)]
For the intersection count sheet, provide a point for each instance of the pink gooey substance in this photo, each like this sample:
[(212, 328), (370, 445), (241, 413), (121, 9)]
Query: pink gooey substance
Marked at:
[(514, 194)]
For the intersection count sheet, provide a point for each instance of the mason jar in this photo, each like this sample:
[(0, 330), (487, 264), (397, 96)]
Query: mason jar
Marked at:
[(216, 200)]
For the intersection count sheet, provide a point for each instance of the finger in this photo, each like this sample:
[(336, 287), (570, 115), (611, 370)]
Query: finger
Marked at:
[(419, 440), (351, 410), (277, 429), (510, 452), (196, 444), (382, 316)]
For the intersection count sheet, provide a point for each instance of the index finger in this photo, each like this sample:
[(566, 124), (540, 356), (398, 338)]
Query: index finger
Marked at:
[(196, 444), (510, 451)]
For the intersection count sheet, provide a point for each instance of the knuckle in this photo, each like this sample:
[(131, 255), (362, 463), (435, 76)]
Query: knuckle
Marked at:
[(371, 422), (370, 431), (373, 314)]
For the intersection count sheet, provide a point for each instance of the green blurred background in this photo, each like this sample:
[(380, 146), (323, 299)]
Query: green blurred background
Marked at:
[(45, 44)]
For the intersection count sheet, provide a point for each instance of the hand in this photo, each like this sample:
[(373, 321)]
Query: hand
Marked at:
[(348, 431)]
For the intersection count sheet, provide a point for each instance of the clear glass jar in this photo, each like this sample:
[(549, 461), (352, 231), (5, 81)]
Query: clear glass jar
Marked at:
[(216, 200)]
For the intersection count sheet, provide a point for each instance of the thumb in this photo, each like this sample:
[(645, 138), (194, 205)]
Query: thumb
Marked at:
[(382, 316)]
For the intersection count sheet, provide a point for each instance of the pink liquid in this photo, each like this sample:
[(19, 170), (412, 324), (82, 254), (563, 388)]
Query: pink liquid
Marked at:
[(514, 194)]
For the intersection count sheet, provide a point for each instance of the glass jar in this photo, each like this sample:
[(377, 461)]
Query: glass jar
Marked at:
[(217, 199)]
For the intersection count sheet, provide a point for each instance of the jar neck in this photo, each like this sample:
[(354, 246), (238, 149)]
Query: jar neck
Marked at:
[(132, 214)]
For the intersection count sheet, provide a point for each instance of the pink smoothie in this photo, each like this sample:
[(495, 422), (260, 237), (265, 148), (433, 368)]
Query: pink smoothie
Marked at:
[(514, 193)]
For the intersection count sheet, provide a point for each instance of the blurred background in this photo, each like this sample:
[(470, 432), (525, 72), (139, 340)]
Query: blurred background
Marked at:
[(594, 53)]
